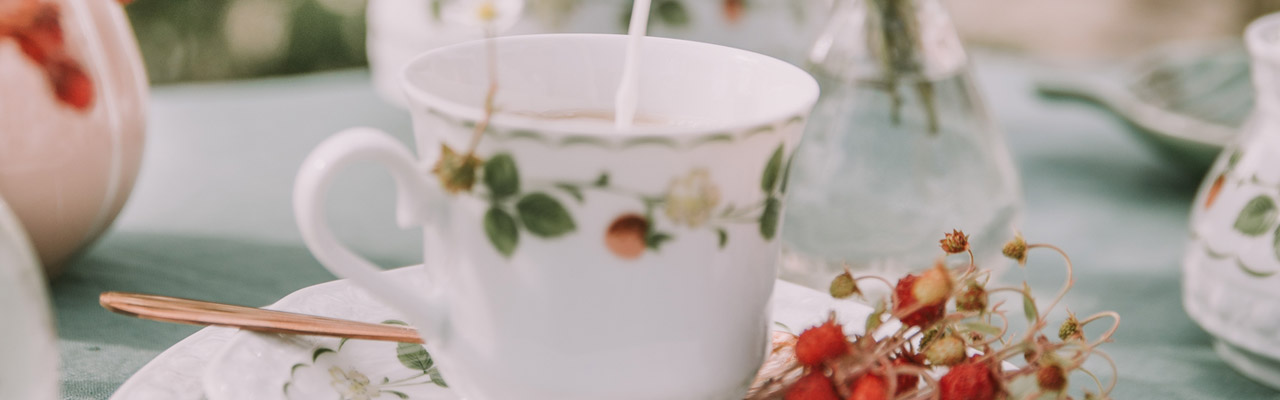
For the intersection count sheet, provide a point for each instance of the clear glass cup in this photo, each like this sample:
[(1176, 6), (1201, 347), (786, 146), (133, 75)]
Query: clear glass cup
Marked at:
[(899, 151)]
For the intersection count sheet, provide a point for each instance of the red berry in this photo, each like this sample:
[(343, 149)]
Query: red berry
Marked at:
[(1051, 378), (821, 343), (869, 387), (70, 83), (904, 302), (972, 380), (814, 386), (906, 381)]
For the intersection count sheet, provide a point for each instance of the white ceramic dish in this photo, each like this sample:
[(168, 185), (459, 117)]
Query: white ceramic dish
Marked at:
[(269, 366), (176, 374)]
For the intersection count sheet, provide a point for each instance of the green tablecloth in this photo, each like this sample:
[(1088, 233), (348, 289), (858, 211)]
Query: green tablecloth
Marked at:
[(210, 218)]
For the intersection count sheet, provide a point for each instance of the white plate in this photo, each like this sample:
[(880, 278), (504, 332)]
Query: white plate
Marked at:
[(268, 366), (29, 367)]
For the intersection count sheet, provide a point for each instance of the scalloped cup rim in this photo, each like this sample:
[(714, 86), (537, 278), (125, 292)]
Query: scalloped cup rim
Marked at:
[(806, 97)]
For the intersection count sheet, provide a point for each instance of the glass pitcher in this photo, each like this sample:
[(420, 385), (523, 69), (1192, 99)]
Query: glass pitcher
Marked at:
[(899, 151)]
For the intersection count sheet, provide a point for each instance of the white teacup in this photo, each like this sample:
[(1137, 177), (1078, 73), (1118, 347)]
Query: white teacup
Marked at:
[(586, 263)]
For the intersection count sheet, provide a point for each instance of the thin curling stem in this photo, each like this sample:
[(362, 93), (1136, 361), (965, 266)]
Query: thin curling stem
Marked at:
[(1106, 336), (1066, 286), (491, 47)]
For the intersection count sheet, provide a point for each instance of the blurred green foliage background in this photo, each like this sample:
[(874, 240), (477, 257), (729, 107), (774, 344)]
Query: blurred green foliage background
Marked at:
[(216, 39)]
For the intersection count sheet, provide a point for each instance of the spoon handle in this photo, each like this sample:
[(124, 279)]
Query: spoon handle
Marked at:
[(195, 312)]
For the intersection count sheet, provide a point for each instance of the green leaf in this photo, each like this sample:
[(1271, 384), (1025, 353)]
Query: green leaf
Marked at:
[(572, 191), (398, 394), (771, 170), (1257, 216), (982, 327), (544, 216), (783, 326), (436, 378), (1028, 304), (501, 176), (769, 218), (723, 235), (603, 180), (672, 12), (414, 356), (874, 320), (501, 229), (342, 342), (320, 351), (656, 239), (395, 322)]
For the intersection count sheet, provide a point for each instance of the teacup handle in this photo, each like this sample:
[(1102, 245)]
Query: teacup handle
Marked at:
[(413, 194)]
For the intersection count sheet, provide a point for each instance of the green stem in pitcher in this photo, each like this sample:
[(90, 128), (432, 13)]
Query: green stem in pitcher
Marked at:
[(898, 39)]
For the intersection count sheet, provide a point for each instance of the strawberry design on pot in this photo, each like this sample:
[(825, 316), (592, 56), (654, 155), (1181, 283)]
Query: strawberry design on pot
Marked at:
[(37, 28)]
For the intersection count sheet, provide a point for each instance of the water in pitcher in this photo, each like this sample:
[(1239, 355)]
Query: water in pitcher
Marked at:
[(879, 178)]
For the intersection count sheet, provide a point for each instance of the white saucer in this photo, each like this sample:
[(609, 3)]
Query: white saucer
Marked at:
[(269, 366)]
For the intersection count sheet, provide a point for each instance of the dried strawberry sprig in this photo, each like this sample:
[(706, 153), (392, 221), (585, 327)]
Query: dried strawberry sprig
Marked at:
[(931, 341), (37, 28)]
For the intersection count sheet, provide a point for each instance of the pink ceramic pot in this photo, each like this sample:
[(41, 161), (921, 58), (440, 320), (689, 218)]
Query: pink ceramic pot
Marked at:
[(71, 123)]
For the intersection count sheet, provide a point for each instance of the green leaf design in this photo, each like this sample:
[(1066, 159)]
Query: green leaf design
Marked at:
[(771, 171), (572, 191), (769, 218), (1257, 216), (1028, 304), (602, 180), (656, 239), (436, 378), (320, 351), (397, 394), (395, 322), (436, 9), (786, 173), (544, 216), (723, 235), (1275, 244), (501, 176), (672, 12), (414, 356), (501, 229)]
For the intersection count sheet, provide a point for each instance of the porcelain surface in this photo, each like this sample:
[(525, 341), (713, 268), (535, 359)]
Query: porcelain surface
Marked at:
[(67, 171), (269, 366), (1233, 255), (29, 368), (546, 246)]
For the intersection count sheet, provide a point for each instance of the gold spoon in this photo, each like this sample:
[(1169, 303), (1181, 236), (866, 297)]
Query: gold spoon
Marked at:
[(195, 312)]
